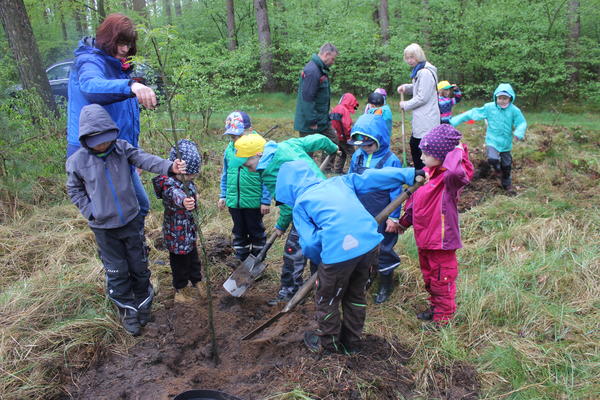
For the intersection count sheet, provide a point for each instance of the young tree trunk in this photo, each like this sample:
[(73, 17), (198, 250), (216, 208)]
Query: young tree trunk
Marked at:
[(139, 6), (574, 32), (264, 40), (63, 26), (101, 10), (384, 21), (177, 7), (167, 11), (426, 26), (78, 24), (231, 36), (25, 51), (280, 16)]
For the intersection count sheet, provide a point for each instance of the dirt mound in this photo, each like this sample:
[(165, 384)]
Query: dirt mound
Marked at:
[(173, 356)]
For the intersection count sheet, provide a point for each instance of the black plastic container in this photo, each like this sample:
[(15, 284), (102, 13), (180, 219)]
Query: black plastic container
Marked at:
[(205, 395)]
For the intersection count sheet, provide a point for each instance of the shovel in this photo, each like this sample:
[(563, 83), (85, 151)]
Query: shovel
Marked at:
[(252, 267), (403, 134), (308, 285)]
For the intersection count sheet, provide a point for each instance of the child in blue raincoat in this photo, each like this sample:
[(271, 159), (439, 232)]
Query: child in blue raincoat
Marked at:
[(370, 134), (504, 120), (343, 241), (377, 104)]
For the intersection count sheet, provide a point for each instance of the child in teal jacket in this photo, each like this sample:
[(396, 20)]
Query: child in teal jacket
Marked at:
[(504, 120)]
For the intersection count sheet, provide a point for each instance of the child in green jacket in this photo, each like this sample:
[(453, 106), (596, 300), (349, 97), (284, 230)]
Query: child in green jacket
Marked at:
[(504, 120), (243, 192)]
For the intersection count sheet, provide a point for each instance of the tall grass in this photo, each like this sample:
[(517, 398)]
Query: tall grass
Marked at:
[(528, 291)]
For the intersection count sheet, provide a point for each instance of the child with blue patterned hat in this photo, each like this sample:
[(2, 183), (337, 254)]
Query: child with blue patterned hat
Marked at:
[(179, 227), (243, 192)]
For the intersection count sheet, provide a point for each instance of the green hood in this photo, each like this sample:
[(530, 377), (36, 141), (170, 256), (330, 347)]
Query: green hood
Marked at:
[(505, 87)]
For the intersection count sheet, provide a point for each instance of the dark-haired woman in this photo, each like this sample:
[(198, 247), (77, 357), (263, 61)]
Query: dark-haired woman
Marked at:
[(100, 75)]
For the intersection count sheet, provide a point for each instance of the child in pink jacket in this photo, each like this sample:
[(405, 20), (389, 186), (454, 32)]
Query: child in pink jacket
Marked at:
[(433, 213)]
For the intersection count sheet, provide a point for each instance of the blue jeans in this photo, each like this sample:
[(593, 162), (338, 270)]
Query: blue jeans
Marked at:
[(138, 186), (140, 192)]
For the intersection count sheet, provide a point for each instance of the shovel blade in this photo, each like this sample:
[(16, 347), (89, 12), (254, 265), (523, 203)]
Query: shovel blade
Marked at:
[(243, 277)]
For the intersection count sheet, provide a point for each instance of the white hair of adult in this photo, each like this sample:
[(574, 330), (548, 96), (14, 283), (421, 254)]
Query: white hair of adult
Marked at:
[(416, 51)]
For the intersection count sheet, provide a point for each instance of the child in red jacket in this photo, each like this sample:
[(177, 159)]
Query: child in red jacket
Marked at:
[(433, 213), (341, 121)]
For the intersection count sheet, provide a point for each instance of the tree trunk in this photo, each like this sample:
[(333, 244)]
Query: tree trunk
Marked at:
[(264, 40), (574, 32), (101, 10), (167, 11), (384, 21), (25, 51), (231, 36), (78, 24), (139, 6), (177, 7), (426, 25), (63, 26)]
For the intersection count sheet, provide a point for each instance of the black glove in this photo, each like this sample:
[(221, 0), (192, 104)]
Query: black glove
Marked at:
[(420, 172)]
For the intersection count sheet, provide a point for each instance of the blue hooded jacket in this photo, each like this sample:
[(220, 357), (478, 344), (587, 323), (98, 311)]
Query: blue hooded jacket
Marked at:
[(501, 121), (330, 233), (97, 78), (374, 127)]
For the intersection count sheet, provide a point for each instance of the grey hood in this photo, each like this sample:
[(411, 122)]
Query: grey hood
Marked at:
[(94, 119)]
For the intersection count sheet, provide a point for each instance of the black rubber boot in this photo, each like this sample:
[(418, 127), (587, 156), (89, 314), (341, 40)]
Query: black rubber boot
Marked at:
[(129, 320), (386, 287), (426, 315), (145, 316)]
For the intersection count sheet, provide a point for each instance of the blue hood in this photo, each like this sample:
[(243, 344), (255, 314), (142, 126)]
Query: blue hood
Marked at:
[(293, 179), (373, 126), (505, 87)]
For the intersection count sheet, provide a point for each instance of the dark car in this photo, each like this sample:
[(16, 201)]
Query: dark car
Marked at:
[(58, 77)]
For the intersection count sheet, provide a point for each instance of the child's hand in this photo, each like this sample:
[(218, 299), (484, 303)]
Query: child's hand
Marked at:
[(179, 167), (221, 203), (189, 203), (264, 209), (391, 226), (400, 230)]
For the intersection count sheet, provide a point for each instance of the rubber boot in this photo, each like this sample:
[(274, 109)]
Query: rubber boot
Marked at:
[(386, 287), (129, 320)]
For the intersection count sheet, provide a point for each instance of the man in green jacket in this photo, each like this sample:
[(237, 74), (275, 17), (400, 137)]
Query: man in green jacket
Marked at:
[(267, 158), (314, 95)]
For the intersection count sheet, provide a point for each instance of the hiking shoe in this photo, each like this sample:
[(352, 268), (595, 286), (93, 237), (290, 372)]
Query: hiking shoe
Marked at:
[(426, 315), (129, 320), (313, 341), (144, 317), (510, 190), (181, 297), (280, 299)]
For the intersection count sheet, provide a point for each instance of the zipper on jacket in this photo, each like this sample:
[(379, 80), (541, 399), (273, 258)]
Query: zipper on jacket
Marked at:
[(114, 193), (238, 185)]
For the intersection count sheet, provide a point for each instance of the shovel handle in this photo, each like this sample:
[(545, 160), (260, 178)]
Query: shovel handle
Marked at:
[(261, 256), (382, 216), (301, 293), (325, 162)]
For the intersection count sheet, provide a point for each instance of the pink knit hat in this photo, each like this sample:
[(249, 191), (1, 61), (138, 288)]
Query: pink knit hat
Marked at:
[(440, 141)]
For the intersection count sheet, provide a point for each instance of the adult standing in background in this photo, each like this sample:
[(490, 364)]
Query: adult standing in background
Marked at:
[(424, 102), (314, 95), (100, 75)]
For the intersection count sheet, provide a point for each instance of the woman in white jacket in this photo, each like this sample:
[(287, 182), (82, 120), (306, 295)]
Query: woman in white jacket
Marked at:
[(424, 102)]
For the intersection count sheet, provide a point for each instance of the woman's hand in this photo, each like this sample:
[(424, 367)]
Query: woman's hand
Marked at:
[(189, 203), (401, 89), (179, 167), (144, 94)]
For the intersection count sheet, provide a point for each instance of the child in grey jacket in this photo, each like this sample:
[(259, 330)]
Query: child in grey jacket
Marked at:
[(99, 184)]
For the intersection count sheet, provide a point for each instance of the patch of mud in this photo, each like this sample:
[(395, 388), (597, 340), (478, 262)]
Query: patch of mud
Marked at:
[(174, 355)]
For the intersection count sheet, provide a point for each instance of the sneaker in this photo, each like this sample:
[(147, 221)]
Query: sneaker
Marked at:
[(312, 341), (180, 297), (280, 299), (129, 320), (425, 315)]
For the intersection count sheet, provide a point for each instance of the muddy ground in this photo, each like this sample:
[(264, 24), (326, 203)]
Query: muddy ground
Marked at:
[(174, 355)]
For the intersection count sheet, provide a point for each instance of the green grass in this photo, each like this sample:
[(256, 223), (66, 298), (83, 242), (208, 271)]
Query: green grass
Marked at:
[(528, 291)]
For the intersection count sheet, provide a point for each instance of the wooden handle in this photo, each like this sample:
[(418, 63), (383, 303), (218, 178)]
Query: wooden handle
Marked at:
[(261, 256), (382, 216), (301, 293), (325, 162)]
